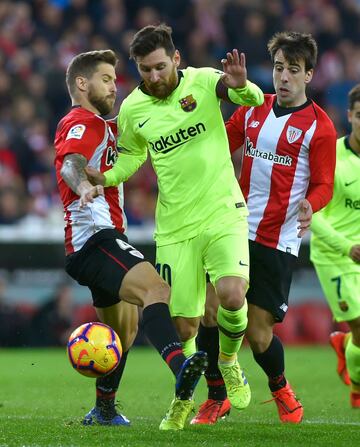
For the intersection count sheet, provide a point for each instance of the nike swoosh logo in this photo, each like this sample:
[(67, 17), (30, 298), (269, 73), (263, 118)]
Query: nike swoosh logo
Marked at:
[(350, 183), (143, 123), (243, 264)]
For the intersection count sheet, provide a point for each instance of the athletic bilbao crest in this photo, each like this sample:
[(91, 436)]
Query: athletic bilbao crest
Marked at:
[(188, 103), (293, 134)]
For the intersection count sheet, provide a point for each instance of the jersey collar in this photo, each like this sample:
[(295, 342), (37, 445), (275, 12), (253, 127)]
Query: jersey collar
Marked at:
[(281, 111), (348, 147)]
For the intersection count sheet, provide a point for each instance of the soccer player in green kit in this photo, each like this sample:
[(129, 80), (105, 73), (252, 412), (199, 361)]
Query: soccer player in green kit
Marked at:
[(201, 215), (335, 250)]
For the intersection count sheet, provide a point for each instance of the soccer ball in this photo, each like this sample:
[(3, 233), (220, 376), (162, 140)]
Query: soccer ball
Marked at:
[(94, 349)]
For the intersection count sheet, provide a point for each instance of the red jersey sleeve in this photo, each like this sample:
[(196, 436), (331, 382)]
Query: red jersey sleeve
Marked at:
[(82, 136), (235, 128), (322, 160)]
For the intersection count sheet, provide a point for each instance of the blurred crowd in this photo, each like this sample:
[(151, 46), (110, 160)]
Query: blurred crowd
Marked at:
[(38, 38)]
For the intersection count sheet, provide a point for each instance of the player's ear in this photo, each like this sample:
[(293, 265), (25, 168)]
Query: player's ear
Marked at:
[(308, 76), (177, 58), (81, 83)]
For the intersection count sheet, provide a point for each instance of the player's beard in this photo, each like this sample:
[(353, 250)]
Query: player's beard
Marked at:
[(163, 89), (104, 104)]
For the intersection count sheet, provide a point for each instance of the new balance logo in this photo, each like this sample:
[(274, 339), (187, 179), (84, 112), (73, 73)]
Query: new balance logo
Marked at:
[(284, 307), (143, 123), (254, 124)]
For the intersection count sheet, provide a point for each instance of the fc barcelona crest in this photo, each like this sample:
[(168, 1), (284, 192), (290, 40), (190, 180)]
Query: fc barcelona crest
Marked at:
[(188, 104)]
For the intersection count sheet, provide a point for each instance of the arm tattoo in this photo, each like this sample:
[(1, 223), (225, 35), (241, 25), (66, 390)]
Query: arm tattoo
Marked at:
[(72, 170)]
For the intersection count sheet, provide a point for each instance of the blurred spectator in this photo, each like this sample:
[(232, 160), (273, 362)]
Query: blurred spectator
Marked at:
[(13, 325), (38, 38), (52, 323)]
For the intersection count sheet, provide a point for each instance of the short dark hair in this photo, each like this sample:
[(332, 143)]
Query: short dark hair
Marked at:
[(151, 38), (295, 46), (354, 96), (85, 64)]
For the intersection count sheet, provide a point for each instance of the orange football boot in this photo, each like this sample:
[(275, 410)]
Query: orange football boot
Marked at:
[(337, 340), (289, 407), (211, 411), (355, 400)]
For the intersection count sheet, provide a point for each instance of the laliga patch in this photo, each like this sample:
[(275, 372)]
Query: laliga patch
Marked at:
[(76, 132)]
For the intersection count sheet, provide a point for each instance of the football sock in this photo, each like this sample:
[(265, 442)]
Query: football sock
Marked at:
[(208, 341), (352, 356), (107, 386), (231, 325), (159, 329), (189, 347), (272, 363)]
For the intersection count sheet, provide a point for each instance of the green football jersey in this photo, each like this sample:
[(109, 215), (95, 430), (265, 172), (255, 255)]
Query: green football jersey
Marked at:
[(336, 228), (186, 138)]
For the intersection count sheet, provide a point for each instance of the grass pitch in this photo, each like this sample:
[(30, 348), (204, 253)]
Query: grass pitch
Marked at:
[(42, 401)]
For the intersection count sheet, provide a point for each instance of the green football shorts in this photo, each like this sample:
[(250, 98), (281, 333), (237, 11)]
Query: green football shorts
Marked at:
[(219, 251), (341, 289)]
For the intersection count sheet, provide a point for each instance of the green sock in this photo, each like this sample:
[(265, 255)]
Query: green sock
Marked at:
[(232, 325), (352, 355), (189, 347)]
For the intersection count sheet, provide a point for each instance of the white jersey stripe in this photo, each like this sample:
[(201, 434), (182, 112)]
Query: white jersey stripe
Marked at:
[(260, 179), (288, 240)]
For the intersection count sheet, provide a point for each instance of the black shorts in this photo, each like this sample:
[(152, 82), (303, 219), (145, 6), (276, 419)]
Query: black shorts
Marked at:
[(101, 265), (270, 279)]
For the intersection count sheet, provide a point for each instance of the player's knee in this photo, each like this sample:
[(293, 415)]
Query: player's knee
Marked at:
[(186, 331), (259, 340), (231, 292), (158, 292), (210, 317), (128, 339), (233, 298)]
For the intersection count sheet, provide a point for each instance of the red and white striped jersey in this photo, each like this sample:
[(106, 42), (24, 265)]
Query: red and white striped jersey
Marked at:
[(83, 132), (288, 154)]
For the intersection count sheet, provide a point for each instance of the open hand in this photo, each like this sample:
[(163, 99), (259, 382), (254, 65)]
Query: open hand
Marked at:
[(234, 67), (304, 217), (88, 194)]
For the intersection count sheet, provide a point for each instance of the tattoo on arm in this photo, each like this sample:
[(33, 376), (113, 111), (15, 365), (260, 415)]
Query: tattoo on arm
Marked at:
[(72, 170)]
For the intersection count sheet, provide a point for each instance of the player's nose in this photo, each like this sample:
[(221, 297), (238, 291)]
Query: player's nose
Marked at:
[(113, 88), (154, 76), (284, 76)]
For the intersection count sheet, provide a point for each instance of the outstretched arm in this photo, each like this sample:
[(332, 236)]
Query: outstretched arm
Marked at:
[(74, 175), (234, 86), (329, 236), (126, 165)]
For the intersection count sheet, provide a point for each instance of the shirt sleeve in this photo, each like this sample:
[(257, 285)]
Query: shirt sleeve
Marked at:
[(132, 151), (328, 235), (322, 160), (83, 138), (250, 95), (235, 129)]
